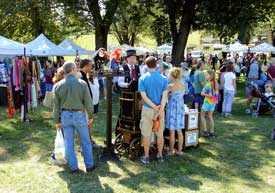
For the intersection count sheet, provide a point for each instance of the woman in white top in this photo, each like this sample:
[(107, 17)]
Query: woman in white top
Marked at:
[(94, 84), (229, 86)]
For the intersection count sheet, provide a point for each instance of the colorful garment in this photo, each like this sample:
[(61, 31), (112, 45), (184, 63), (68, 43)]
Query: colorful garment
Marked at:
[(209, 88), (4, 74), (174, 119)]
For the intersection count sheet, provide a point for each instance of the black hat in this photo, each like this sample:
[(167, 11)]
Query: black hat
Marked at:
[(131, 53)]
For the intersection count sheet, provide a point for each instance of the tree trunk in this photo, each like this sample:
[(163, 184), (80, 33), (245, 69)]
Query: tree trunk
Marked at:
[(101, 36), (180, 36), (244, 35), (102, 25)]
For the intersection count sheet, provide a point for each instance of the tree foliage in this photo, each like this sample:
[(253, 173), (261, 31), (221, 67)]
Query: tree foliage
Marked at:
[(161, 29), (132, 18), (25, 20), (229, 17)]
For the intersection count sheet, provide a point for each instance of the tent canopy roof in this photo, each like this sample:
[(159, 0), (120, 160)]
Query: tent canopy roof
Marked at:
[(264, 47), (10, 47), (42, 46), (69, 45)]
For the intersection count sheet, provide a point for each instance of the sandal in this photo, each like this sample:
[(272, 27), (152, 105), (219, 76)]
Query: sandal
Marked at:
[(206, 133), (170, 154), (179, 153)]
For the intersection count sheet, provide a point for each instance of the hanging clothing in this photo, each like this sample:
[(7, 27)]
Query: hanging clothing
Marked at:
[(4, 74), (3, 96)]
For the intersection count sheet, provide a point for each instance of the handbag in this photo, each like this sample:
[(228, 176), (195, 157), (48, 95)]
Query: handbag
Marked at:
[(48, 100), (156, 124)]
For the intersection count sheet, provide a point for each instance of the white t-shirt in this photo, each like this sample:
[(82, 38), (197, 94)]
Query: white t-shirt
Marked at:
[(228, 77), (237, 68), (95, 90)]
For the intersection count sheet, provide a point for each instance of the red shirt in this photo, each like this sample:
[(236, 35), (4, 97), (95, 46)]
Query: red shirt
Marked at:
[(271, 71)]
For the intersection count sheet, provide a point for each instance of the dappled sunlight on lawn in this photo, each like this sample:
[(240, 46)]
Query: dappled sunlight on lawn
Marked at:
[(240, 159)]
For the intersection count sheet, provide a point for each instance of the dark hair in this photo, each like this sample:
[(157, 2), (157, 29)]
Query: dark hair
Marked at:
[(77, 59), (229, 67), (84, 62), (49, 61), (193, 71), (151, 62), (200, 64)]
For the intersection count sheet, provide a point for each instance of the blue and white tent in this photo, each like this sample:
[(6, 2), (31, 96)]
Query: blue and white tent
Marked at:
[(42, 46), (10, 48), (69, 45)]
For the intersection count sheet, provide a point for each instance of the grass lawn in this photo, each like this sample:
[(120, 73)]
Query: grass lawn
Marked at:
[(240, 159)]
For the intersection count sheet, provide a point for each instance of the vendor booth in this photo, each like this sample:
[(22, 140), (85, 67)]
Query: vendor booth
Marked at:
[(70, 46)]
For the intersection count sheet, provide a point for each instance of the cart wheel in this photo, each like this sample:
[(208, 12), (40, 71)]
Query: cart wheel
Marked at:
[(118, 144), (135, 148)]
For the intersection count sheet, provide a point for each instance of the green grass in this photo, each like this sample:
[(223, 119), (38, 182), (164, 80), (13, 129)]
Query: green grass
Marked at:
[(240, 159)]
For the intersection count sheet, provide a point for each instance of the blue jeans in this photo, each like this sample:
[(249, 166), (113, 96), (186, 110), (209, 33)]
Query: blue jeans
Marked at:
[(49, 87), (71, 121), (228, 98)]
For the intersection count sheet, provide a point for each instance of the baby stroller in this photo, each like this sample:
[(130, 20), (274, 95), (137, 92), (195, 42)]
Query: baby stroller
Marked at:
[(265, 103)]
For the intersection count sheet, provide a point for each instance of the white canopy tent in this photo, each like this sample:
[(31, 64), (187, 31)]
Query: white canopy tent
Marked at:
[(42, 46), (164, 49), (237, 47), (10, 48), (73, 47), (218, 46), (126, 47), (142, 49), (264, 47)]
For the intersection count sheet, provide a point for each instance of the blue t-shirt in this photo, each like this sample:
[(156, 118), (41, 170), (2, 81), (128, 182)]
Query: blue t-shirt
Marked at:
[(153, 84)]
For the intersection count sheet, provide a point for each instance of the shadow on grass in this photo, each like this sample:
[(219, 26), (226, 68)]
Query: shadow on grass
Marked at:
[(89, 182), (17, 138)]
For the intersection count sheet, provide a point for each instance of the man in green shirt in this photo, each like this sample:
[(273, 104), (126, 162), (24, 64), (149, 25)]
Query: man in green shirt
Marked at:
[(199, 82), (71, 100)]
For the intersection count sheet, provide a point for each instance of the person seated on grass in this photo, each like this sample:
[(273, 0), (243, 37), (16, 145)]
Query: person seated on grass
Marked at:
[(153, 88)]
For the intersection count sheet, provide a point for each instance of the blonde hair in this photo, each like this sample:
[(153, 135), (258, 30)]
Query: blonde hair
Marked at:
[(176, 72), (212, 74), (59, 75)]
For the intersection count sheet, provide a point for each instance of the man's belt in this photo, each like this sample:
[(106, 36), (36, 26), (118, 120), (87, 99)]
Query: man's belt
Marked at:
[(74, 110)]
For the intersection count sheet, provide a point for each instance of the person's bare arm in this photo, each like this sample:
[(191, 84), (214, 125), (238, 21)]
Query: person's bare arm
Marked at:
[(234, 84), (163, 102), (222, 82), (269, 76), (148, 101)]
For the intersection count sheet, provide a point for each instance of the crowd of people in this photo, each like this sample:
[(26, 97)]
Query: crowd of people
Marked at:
[(165, 92)]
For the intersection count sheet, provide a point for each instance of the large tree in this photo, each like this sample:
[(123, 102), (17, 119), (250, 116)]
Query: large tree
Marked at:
[(135, 17), (98, 15), (103, 16), (26, 19), (230, 17), (160, 29), (132, 18), (181, 14)]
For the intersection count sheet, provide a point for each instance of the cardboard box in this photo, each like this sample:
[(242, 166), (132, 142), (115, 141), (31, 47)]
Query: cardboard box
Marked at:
[(191, 120), (191, 138)]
